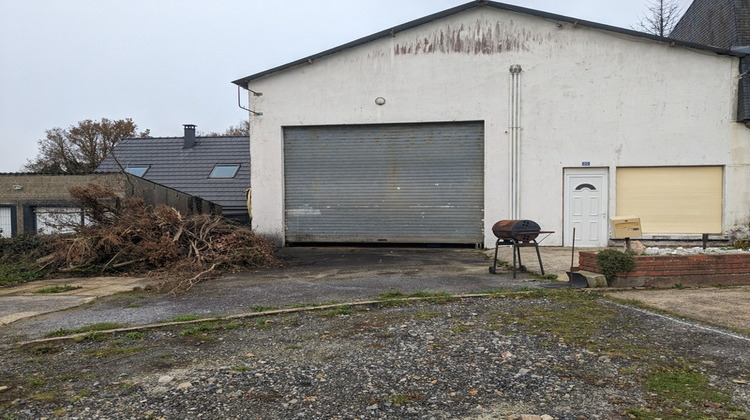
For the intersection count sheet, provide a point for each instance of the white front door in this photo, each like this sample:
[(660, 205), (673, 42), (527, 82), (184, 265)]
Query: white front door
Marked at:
[(586, 197)]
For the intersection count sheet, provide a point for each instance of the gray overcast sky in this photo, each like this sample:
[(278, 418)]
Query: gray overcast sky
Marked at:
[(168, 62)]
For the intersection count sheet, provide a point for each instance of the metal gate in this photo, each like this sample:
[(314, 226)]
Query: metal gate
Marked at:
[(398, 183)]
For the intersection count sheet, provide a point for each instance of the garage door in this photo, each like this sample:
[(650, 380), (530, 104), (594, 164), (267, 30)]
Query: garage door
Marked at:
[(400, 183), (685, 199)]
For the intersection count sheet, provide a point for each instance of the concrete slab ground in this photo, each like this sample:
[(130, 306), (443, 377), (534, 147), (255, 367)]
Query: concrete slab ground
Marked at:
[(24, 301), (325, 274)]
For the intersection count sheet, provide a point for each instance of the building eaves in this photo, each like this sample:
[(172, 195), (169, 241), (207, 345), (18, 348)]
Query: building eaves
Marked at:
[(475, 4)]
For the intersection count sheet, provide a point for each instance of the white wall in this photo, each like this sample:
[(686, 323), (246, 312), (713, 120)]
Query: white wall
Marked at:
[(587, 95)]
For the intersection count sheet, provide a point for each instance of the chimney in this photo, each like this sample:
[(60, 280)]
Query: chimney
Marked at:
[(189, 136)]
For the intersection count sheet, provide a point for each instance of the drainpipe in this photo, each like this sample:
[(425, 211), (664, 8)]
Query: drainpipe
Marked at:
[(514, 132), (743, 100)]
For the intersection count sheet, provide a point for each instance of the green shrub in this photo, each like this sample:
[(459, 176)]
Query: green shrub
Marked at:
[(612, 262), (24, 247), (743, 243)]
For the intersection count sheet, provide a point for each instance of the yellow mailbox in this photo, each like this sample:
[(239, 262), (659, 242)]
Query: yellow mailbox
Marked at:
[(626, 227)]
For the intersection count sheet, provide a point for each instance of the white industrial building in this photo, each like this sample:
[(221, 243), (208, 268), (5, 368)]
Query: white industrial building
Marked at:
[(432, 131)]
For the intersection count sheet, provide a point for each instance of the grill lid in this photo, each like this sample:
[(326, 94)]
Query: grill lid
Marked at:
[(518, 230)]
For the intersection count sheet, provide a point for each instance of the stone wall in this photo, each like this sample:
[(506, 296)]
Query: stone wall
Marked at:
[(670, 270)]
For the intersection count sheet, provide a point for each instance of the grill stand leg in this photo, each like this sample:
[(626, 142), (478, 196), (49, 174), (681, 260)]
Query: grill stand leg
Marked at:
[(517, 262), (493, 269), (539, 256)]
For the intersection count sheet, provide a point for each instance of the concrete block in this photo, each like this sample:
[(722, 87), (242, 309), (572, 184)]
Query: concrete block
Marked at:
[(594, 279)]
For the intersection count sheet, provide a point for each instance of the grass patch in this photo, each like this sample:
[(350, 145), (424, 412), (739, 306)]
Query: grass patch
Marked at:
[(201, 328), (94, 336), (570, 316), (434, 297), (135, 336), (392, 295), (682, 393), (57, 289), (684, 386), (206, 327), (18, 273), (46, 349), (401, 399), (36, 382), (342, 310), (113, 351), (44, 396)]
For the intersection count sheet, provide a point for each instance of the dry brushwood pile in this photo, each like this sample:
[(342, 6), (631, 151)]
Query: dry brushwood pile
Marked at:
[(127, 235)]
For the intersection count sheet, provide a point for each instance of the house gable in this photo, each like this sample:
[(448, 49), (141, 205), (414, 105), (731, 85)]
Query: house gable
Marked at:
[(460, 42)]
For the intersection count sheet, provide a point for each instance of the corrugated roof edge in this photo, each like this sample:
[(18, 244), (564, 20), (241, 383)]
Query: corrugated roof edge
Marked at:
[(480, 3)]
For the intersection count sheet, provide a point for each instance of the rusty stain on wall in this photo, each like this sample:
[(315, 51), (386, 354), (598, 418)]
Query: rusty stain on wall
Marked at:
[(481, 38)]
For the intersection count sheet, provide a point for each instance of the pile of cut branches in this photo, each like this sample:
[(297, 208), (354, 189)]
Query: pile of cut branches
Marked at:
[(126, 235)]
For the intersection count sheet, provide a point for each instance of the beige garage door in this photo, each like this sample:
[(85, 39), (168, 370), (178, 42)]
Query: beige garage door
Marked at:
[(672, 200)]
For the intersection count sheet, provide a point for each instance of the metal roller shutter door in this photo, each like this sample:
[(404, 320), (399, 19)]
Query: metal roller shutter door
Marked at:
[(400, 183)]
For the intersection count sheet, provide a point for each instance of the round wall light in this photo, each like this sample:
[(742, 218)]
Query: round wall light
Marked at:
[(380, 100)]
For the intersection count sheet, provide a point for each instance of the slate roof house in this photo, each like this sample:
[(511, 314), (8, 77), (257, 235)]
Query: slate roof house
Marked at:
[(216, 169), (431, 131), (722, 24)]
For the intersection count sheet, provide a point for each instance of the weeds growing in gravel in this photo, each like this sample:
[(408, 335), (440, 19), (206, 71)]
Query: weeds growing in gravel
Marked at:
[(113, 351), (103, 326), (57, 289), (181, 318), (342, 310)]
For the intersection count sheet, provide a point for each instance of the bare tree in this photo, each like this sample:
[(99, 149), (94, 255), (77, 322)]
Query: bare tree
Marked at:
[(80, 148), (660, 17)]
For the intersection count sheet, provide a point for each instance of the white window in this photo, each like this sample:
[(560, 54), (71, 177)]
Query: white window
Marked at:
[(57, 219), (6, 222)]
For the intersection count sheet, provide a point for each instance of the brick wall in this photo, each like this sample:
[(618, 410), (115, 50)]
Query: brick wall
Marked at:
[(689, 270)]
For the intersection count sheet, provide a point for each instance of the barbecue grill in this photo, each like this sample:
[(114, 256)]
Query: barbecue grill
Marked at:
[(518, 234)]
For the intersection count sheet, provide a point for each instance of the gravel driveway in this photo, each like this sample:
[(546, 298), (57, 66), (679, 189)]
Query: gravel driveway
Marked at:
[(519, 351)]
